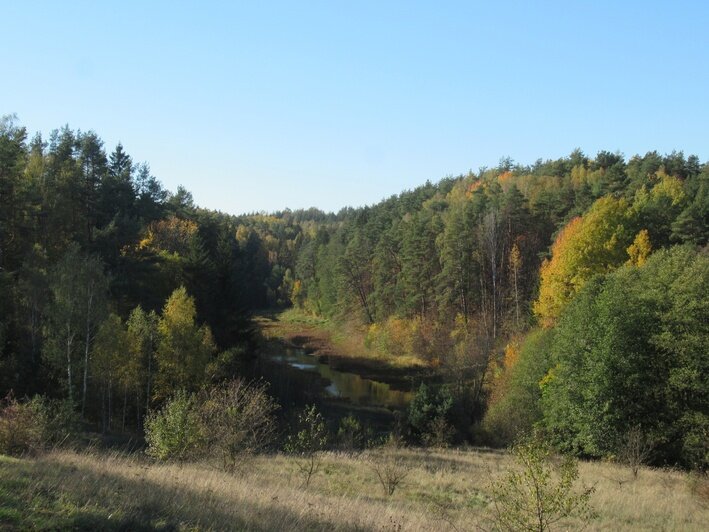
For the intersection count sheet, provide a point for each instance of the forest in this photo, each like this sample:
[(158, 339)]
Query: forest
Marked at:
[(568, 297)]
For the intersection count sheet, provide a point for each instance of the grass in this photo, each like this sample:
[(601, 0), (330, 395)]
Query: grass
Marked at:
[(444, 490), (324, 337)]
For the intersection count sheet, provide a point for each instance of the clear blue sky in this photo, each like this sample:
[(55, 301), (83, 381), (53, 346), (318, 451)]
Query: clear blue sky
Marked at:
[(262, 105)]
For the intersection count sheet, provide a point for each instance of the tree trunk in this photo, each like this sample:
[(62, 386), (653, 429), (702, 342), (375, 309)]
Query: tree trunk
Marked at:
[(87, 346)]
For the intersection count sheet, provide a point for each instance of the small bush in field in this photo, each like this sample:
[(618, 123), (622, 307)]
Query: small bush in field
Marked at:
[(390, 469), (538, 494), (352, 435), (22, 426), (635, 449), (310, 439), (237, 419), (174, 432)]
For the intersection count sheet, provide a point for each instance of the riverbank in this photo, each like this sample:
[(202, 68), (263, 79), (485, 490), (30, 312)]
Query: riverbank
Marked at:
[(341, 346), (442, 490)]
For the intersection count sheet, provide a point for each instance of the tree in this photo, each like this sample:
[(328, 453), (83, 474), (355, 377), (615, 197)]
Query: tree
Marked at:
[(142, 344), (631, 350), (356, 270), (307, 443), (640, 249), (111, 365), (238, 420), (538, 494), (184, 349), (79, 288), (174, 432), (593, 244)]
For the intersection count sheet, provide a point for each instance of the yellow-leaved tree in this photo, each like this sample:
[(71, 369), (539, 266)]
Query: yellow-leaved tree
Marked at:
[(595, 243), (184, 348)]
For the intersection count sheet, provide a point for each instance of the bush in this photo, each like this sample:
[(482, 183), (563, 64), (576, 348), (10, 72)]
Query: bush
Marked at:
[(22, 426), (538, 494), (390, 469), (237, 420), (175, 432), (352, 435), (310, 439), (428, 414)]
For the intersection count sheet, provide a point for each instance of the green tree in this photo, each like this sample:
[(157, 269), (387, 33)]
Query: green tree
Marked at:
[(630, 350), (111, 365), (538, 494), (79, 289), (142, 343), (308, 441)]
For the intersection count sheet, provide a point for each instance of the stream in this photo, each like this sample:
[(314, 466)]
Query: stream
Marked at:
[(298, 378)]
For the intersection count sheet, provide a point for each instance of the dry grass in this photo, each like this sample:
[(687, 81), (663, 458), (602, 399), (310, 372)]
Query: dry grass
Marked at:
[(442, 490)]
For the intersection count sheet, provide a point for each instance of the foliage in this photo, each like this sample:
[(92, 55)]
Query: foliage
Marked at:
[(237, 420), (428, 413), (175, 432), (311, 438), (184, 349), (352, 435), (22, 426), (515, 407), (539, 494), (593, 244), (631, 350)]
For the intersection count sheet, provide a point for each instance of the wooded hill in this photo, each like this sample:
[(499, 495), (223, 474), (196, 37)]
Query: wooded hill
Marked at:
[(570, 295)]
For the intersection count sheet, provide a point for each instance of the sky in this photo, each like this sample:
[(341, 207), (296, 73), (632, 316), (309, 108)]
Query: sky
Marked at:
[(259, 106)]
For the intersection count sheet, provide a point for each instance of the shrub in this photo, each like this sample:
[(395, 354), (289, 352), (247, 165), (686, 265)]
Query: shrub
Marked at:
[(308, 441), (428, 413), (390, 469), (538, 494), (352, 435), (175, 432), (22, 426), (237, 420), (635, 449)]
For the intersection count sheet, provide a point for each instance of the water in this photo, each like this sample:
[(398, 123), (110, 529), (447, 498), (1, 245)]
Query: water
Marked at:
[(293, 368)]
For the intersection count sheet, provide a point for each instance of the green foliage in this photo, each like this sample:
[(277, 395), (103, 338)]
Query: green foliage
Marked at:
[(539, 494), (174, 432), (311, 438), (516, 408), (631, 351), (428, 414), (184, 349), (352, 435)]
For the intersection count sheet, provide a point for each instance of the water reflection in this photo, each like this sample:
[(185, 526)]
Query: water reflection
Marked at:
[(344, 385)]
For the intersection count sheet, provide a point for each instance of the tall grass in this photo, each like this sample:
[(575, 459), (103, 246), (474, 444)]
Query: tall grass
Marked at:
[(447, 489)]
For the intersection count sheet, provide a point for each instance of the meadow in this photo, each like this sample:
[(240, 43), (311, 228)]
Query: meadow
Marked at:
[(439, 490)]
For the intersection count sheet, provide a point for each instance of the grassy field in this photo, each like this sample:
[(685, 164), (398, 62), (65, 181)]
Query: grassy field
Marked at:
[(444, 490), (341, 344)]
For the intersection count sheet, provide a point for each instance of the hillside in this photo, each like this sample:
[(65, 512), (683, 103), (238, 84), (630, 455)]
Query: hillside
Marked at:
[(442, 490)]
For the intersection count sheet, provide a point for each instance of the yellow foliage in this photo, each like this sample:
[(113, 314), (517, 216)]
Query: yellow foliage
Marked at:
[(640, 249), (172, 235), (511, 354), (597, 243)]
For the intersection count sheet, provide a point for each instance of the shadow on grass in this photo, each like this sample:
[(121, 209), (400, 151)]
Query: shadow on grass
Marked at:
[(45, 495)]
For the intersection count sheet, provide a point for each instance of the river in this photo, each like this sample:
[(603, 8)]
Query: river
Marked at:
[(298, 378)]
